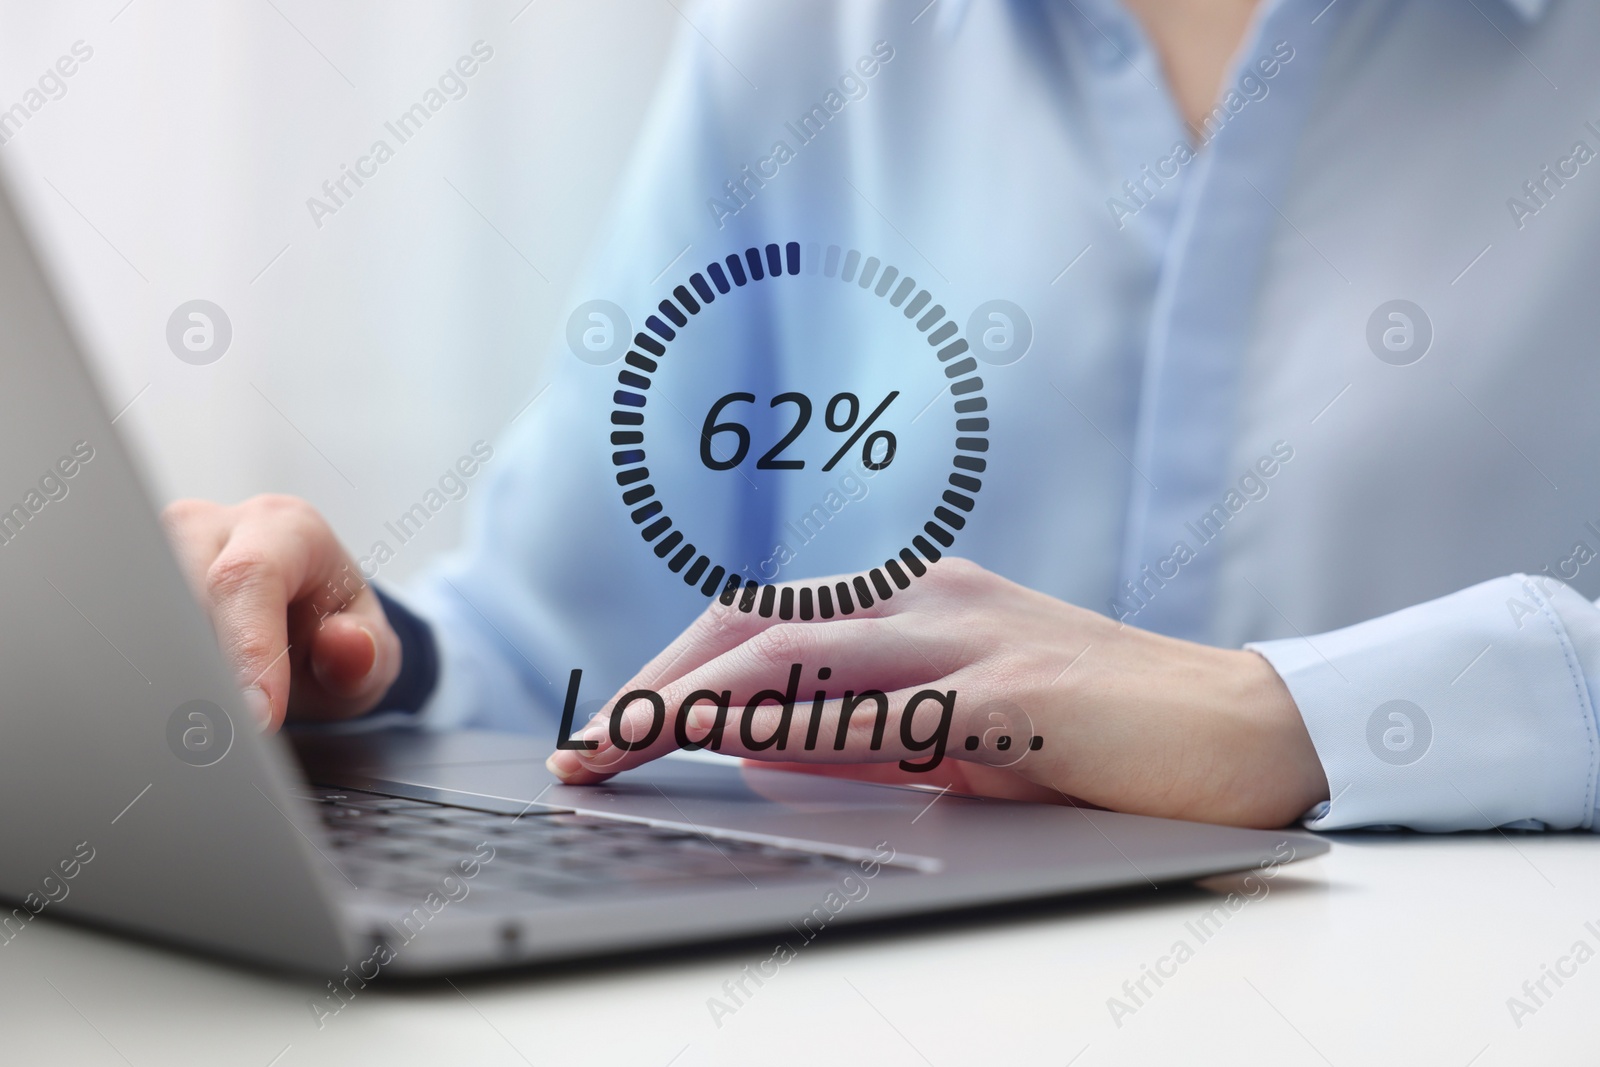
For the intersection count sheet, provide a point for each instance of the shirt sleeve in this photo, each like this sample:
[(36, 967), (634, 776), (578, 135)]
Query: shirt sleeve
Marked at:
[(1463, 713), (419, 658), (552, 576)]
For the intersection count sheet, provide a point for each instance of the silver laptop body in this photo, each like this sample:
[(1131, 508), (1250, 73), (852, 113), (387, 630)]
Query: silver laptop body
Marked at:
[(137, 797)]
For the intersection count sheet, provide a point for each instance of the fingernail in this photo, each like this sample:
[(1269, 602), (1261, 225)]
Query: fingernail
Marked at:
[(373, 640), (600, 735), (255, 698), (702, 717), (563, 764)]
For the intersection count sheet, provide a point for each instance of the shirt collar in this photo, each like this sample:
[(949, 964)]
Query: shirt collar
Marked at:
[(948, 20)]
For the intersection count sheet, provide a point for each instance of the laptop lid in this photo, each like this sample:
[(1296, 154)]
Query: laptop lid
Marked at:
[(135, 790)]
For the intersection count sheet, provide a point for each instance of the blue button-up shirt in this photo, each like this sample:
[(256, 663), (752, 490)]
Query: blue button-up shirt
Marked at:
[(1317, 376)]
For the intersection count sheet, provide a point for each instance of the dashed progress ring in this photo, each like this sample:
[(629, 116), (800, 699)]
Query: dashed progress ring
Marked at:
[(719, 279)]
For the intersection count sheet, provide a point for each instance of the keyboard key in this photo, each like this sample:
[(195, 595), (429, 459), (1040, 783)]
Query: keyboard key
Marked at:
[(406, 847)]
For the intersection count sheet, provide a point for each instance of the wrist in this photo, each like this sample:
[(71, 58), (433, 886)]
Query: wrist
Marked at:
[(1282, 776), (419, 658)]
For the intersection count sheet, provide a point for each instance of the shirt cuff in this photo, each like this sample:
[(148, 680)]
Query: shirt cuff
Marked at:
[(419, 659), (1464, 713)]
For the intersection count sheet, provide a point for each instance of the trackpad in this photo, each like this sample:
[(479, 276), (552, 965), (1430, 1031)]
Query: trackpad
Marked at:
[(677, 791)]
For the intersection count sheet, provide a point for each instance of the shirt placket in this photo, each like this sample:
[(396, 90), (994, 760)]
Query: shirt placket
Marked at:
[(1224, 217)]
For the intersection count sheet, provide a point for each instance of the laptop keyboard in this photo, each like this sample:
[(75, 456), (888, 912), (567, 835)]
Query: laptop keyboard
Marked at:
[(405, 846)]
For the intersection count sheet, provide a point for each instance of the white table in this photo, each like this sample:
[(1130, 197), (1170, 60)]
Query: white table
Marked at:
[(1398, 949)]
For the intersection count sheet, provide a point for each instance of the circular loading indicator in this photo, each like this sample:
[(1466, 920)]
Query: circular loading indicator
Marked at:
[(772, 263)]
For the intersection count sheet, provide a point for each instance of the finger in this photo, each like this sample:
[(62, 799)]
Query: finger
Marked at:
[(912, 726), (715, 630), (883, 653), (918, 730), (723, 627), (933, 735), (872, 731), (844, 654), (719, 636), (832, 658), (346, 655), (277, 551), (196, 530)]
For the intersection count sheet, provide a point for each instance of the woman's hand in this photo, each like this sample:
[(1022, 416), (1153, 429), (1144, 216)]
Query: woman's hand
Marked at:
[(1125, 719), (303, 632)]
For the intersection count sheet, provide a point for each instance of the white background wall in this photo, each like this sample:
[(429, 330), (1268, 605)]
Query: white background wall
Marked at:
[(369, 353)]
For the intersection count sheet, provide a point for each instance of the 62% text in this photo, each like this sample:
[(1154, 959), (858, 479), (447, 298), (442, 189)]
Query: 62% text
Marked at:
[(836, 419)]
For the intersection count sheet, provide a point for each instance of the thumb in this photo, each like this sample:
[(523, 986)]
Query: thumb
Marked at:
[(351, 657)]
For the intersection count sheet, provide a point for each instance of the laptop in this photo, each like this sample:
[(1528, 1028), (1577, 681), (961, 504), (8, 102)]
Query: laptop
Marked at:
[(138, 798)]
